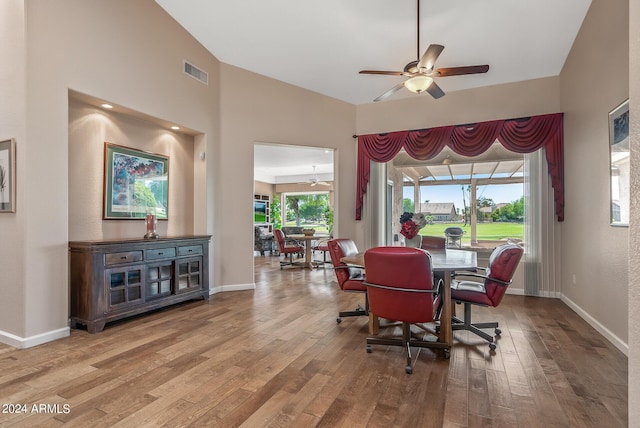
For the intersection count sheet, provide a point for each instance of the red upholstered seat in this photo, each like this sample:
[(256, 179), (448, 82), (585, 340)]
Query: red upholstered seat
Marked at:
[(400, 287), (350, 278), (495, 281), (434, 243), (286, 250)]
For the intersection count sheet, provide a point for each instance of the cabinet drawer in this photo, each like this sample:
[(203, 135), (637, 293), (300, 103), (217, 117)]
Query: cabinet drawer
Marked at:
[(124, 257), (190, 250), (160, 253)]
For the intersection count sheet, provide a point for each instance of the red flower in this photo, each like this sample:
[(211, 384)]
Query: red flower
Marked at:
[(409, 229)]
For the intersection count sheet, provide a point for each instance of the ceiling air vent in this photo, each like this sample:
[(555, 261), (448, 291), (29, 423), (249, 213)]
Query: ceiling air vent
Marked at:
[(196, 73)]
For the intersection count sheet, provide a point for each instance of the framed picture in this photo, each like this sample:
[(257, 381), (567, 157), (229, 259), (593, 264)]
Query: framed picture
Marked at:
[(8, 176), (619, 160), (134, 183)]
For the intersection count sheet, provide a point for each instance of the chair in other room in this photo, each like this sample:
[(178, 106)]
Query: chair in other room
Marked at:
[(489, 292), (286, 250), (453, 235), (263, 240), (350, 278), (293, 230), (322, 245), (400, 287)]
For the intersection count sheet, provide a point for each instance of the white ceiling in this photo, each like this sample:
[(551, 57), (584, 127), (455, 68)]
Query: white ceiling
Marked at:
[(321, 45), (277, 163)]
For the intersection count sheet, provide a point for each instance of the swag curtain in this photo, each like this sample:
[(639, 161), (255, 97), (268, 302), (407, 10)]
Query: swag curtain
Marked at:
[(523, 135)]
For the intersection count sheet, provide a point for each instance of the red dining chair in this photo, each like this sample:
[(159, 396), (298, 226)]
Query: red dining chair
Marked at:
[(400, 287), (350, 278), (433, 243), (497, 277), (286, 250)]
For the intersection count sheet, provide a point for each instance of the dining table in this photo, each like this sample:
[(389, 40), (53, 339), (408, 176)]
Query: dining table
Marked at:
[(445, 261), (307, 239)]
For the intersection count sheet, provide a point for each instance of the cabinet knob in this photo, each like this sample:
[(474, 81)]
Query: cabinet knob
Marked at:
[(161, 254), (123, 258)]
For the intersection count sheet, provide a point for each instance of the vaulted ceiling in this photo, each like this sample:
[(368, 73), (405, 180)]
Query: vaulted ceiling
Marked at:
[(322, 45)]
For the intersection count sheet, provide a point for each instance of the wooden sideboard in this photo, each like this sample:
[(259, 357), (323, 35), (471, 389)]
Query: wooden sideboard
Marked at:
[(115, 279)]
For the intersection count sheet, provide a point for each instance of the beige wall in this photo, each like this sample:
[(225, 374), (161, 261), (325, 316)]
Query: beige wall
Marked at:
[(595, 252), (254, 109), (89, 129), (12, 125), (129, 53), (634, 230)]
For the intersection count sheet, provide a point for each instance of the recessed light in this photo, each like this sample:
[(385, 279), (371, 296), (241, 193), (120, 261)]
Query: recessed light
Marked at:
[(105, 105), (175, 128)]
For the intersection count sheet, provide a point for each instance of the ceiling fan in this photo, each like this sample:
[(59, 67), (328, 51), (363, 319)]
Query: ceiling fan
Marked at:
[(421, 72), (314, 180)]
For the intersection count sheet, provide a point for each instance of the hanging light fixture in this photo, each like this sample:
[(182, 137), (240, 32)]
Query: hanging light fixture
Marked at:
[(418, 84)]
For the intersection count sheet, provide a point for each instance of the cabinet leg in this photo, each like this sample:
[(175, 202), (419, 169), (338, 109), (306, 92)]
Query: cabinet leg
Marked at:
[(95, 326)]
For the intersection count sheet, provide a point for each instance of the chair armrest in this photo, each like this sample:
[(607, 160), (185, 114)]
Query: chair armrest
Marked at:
[(477, 275), (407, 290)]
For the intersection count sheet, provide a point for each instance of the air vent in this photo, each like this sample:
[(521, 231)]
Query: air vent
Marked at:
[(196, 73)]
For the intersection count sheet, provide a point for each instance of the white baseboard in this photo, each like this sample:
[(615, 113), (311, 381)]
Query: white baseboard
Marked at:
[(615, 340), (235, 287), (38, 339)]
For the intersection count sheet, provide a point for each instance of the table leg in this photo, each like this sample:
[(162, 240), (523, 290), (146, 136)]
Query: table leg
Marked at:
[(374, 324), (307, 255), (446, 335)]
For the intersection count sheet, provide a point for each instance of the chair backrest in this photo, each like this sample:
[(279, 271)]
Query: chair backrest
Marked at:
[(339, 248), (277, 233), (502, 265), (433, 243), (400, 268)]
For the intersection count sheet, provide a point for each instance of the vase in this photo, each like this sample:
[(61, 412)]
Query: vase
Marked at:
[(151, 220), (413, 242)]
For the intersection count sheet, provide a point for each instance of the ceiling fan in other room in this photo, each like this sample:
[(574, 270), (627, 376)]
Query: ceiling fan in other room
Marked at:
[(314, 180), (421, 72)]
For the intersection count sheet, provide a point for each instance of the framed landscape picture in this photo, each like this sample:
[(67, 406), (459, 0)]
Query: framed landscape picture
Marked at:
[(8, 176), (620, 164), (135, 182)]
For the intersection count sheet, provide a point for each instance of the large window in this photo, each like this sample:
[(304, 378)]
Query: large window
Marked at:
[(483, 195)]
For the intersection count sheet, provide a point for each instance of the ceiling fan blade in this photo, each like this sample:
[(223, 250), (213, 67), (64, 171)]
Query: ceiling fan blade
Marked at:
[(390, 92), (435, 91), (387, 73), (458, 71), (430, 56)]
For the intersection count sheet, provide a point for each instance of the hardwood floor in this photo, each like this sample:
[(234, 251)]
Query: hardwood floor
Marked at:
[(275, 357)]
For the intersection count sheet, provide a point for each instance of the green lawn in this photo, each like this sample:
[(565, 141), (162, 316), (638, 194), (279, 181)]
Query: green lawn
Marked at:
[(483, 230)]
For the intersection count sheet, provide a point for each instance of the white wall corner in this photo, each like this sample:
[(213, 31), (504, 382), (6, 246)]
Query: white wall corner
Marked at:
[(38, 339)]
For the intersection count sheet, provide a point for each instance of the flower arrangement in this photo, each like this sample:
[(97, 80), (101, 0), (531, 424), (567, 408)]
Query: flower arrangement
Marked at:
[(411, 223)]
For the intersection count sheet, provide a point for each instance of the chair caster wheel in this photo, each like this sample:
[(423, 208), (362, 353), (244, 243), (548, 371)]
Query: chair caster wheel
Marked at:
[(498, 332), (338, 320), (408, 369), (492, 346), (369, 349)]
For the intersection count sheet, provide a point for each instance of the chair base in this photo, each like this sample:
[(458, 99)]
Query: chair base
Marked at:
[(475, 328), (290, 262), (358, 312), (407, 341)]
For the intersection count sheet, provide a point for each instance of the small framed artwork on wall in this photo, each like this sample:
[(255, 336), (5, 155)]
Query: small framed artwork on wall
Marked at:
[(620, 165), (8, 176), (135, 183)]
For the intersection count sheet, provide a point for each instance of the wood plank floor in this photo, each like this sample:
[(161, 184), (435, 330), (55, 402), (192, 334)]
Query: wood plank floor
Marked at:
[(275, 357)]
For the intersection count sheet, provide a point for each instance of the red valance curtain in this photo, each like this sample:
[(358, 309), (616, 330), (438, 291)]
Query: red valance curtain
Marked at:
[(524, 135)]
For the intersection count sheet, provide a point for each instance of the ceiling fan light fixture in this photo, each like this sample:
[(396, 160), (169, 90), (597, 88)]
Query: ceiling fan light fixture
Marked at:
[(418, 84)]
